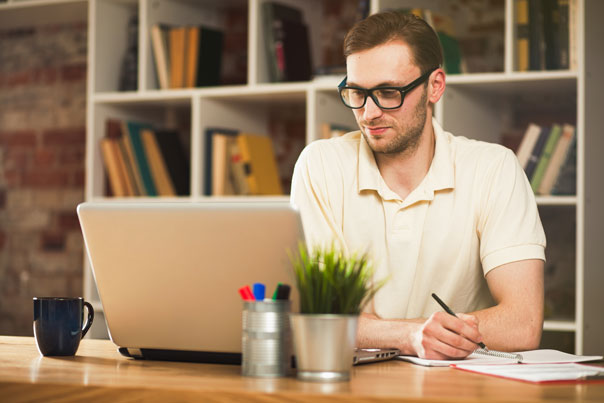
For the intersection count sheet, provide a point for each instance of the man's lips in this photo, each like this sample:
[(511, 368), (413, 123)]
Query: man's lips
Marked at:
[(376, 130)]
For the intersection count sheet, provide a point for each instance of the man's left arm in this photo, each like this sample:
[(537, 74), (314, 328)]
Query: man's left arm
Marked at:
[(516, 321)]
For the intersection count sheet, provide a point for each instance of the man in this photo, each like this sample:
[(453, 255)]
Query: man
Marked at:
[(437, 213)]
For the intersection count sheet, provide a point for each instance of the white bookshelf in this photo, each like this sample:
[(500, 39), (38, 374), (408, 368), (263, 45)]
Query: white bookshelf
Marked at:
[(478, 105)]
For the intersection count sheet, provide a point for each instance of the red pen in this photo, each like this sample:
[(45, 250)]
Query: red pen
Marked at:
[(246, 293)]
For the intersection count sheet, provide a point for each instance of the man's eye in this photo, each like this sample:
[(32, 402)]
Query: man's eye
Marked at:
[(388, 93)]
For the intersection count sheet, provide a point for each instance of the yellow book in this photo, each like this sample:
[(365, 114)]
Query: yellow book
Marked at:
[(116, 181), (260, 164), (522, 35), (177, 57), (159, 170), (192, 57)]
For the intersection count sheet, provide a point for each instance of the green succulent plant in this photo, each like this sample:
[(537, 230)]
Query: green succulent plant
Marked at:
[(330, 282)]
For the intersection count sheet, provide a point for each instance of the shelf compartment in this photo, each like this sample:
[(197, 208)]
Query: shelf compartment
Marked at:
[(21, 14), (229, 17), (159, 115)]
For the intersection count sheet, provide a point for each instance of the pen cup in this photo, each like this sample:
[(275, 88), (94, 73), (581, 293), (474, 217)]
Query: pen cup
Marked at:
[(266, 344)]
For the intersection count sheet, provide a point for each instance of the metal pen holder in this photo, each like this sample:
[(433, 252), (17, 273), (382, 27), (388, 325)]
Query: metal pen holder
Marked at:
[(266, 344)]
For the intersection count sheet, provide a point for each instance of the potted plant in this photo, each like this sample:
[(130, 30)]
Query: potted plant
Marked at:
[(333, 289)]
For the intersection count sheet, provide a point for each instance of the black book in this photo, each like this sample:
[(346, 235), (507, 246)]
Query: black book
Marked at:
[(551, 27), (536, 40), (536, 153), (210, 57), (296, 50), (176, 159)]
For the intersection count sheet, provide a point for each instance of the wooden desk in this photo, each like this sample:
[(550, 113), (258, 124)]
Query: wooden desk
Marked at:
[(99, 373)]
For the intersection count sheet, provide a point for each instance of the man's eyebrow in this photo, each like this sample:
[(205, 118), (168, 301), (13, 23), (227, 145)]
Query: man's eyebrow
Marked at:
[(382, 84)]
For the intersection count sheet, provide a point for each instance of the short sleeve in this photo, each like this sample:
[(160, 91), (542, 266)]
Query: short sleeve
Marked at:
[(509, 226), (310, 195)]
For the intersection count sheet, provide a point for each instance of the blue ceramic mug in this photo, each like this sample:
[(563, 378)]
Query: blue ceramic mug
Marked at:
[(59, 324)]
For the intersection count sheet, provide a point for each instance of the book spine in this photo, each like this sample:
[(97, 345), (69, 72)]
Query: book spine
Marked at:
[(116, 182), (548, 149), (536, 153), (157, 165), (140, 158), (522, 35)]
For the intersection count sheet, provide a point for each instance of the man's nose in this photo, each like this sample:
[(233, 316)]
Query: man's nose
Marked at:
[(371, 110)]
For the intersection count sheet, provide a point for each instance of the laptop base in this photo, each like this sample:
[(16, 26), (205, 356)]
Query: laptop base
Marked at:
[(208, 357)]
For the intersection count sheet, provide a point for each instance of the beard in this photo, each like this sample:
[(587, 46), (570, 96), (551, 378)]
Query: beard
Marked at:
[(407, 136)]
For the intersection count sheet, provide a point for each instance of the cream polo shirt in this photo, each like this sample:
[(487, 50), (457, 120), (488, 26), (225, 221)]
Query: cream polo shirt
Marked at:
[(473, 211)]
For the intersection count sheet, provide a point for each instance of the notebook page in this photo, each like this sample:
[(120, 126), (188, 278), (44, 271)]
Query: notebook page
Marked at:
[(539, 372), (528, 357)]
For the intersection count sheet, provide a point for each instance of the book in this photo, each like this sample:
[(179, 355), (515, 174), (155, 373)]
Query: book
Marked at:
[(177, 56), (527, 144), (536, 152), (210, 57), (176, 158), (557, 159), (113, 130), (482, 357), (540, 373), (192, 56), (544, 159), (238, 173), (222, 183), (296, 51), (159, 171), (109, 153), (129, 68), (566, 184), (522, 35), (160, 43), (132, 135), (536, 40), (551, 38), (209, 134), (260, 164), (273, 17), (447, 34), (564, 34), (573, 51)]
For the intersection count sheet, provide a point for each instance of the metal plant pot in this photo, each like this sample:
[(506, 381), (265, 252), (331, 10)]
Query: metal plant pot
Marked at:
[(324, 345)]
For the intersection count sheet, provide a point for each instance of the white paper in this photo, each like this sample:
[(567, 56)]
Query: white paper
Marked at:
[(528, 357), (537, 372)]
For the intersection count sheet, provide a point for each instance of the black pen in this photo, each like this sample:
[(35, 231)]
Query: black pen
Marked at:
[(450, 312)]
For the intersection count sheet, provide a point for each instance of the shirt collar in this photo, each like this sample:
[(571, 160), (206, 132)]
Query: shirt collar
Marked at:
[(440, 176)]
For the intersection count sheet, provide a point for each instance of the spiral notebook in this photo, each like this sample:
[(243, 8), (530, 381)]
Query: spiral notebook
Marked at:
[(487, 357)]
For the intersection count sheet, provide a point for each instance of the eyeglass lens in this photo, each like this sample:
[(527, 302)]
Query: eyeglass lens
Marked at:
[(383, 97)]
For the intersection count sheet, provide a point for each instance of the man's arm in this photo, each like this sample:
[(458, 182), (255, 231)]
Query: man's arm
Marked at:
[(516, 321), (513, 324)]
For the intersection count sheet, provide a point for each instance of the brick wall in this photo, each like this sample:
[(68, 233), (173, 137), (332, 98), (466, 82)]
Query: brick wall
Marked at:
[(42, 141)]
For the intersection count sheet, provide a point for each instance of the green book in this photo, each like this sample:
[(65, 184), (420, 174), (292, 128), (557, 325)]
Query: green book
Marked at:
[(134, 133), (548, 149)]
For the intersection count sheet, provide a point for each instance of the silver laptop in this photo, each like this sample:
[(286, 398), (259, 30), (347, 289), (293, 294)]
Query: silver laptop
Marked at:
[(168, 274)]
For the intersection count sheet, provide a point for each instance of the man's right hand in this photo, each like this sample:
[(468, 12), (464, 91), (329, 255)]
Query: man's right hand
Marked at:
[(443, 336)]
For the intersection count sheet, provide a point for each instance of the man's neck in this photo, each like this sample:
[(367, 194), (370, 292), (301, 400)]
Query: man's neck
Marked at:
[(403, 172)]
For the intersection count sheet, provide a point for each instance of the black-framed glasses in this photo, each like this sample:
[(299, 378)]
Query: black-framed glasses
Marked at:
[(385, 97)]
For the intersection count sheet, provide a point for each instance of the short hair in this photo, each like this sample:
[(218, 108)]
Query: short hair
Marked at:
[(380, 28)]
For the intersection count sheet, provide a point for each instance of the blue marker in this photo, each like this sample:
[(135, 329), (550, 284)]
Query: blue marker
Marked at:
[(259, 289)]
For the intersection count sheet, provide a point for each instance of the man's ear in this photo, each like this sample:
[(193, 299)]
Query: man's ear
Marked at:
[(436, 86)]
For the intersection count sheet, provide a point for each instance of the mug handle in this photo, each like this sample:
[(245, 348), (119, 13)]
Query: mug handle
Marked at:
[(89, 319)]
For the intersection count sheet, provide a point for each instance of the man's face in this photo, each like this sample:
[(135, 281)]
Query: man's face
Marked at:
[(389, 131)]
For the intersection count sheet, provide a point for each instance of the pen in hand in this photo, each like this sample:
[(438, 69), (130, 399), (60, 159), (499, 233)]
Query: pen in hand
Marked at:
[(450, 312)]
